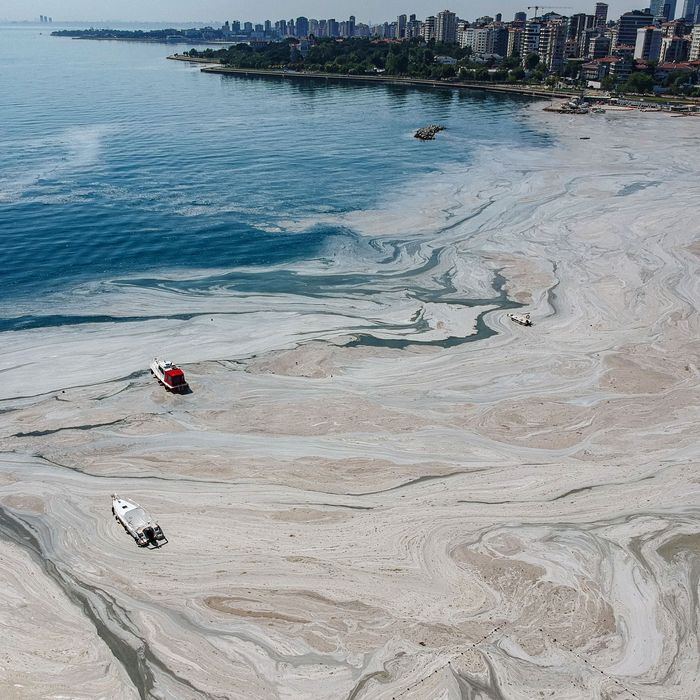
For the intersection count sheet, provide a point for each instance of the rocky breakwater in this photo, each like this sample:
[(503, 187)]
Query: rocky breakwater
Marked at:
[(428, 133)]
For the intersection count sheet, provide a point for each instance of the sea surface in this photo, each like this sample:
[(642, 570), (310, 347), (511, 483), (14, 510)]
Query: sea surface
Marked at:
[(121, 168)]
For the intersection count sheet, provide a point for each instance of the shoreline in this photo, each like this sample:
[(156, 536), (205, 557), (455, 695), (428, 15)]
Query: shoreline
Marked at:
[(531, 92), (213, 67)]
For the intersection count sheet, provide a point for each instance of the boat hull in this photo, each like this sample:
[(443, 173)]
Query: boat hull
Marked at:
[(159, 374)]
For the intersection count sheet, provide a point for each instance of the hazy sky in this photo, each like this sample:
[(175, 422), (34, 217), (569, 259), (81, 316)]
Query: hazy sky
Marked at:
[(203, 10)]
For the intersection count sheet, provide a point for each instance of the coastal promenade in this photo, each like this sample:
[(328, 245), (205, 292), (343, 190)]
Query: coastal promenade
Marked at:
[(529, 91), (526, 91)]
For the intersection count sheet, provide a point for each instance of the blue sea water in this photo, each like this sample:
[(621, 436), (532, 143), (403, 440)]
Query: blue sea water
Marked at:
[(116, 164)]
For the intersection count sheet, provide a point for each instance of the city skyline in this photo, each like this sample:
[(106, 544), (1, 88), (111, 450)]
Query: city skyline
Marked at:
[(181, 11)]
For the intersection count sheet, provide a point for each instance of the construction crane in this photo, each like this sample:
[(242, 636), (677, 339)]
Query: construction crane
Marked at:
[(548, 7)]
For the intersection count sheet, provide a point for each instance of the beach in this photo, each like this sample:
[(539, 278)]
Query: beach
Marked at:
[(513, 516)]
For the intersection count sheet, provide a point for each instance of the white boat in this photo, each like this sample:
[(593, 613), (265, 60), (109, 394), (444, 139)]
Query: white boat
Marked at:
[(170, 376), (522, 319), (137, 522)]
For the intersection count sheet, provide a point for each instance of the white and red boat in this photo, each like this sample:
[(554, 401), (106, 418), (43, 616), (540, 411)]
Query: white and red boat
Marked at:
[(170, 376)]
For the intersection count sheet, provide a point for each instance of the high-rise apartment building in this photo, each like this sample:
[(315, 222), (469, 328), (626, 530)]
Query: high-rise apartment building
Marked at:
[(674, 49), (648, 46), (428, 28), (695, 44), (530, 42), (552, 44), (663, 9), (446, 27), (302, 27), (598, 46), (478, 39), (628, 25), (691, 11), (401, 22), (515, 37), (601, 14), (413, 27), (579, 24)]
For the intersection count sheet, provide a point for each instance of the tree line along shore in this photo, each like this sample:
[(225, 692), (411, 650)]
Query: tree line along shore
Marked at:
[(211, 64), (410, 60), (416, 59)]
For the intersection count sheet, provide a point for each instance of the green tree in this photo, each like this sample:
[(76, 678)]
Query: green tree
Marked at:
[(639, 82), (532, 61)]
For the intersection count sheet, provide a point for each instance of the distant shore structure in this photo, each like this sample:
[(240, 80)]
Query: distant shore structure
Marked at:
[(43, 19)]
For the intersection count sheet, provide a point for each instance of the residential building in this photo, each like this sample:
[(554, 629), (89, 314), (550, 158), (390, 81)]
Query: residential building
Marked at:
[(530, 42), (622, 69), (695, 44), (628, 25), (515, 38), (674, 49), (599, 68), (463, 38), (478, 39), (675, 28), (302, 27), (446, 27), (547, 39), (601, 14), (663, 9), (598, 46), (401, 22), (428, 28), (579, 24), (690, 11), (499, 39), (552, 44), (413, 27), (648, 45)]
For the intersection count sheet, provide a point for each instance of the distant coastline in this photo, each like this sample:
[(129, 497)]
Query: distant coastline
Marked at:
[(157, 36)]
